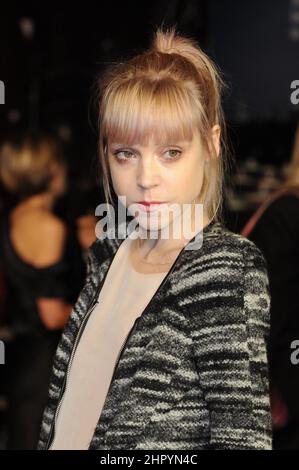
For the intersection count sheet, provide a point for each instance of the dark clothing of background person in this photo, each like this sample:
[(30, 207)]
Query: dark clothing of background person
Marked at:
[(277, 235), (30, 356)]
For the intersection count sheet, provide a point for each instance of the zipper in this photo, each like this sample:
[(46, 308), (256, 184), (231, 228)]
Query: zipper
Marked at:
[(90, 309), (71, 360), (63, 388), (70, 363)]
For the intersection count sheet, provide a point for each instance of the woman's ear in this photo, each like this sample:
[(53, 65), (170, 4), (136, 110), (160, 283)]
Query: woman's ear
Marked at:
[(216, 131)]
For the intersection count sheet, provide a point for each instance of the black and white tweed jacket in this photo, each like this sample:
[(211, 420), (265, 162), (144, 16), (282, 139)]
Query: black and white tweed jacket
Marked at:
[(193, 372)]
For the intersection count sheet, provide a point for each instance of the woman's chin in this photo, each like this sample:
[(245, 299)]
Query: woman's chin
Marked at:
[(151, 223)]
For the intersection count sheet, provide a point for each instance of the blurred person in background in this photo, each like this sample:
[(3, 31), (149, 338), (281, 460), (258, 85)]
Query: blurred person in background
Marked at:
[(274, 228), (44, 272)]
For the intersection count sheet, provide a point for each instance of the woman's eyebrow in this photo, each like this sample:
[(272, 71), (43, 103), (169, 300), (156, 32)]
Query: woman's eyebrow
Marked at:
[(116, 146), (136, 146), (165, 144)]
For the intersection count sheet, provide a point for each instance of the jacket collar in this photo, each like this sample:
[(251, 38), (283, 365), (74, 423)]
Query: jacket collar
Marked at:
[(107, 247)]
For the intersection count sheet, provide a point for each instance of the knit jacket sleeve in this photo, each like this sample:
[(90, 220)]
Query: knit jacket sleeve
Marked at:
[(230, 350)]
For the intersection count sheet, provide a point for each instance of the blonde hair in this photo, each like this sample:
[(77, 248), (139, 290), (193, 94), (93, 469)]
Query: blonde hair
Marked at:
[(28, 164), (168, 91)]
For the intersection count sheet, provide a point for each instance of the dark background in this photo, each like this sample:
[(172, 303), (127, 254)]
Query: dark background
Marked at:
[(51, 53), (49, 73)]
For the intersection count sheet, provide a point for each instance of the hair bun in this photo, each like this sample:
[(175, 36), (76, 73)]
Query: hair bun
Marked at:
[(170, 42), (165, 41)]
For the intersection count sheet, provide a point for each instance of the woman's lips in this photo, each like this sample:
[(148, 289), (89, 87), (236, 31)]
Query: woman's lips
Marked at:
[(152, 206)]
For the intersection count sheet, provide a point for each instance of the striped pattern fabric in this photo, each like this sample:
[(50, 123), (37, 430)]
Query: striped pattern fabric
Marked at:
[(193, 373)]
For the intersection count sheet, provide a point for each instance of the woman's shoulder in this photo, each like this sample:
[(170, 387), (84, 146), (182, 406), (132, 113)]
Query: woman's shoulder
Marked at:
[(38, 237), (104, 247), (107, 242), (51, 226), (230, 275), (224, 244), (225, 261), (53, 232), (43, 221)]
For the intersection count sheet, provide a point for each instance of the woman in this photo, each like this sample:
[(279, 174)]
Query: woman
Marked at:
[(166, 346), (43, 272), (275, 230)]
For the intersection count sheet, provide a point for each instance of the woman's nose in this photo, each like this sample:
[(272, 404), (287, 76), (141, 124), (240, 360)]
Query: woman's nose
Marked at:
[(147, 174)]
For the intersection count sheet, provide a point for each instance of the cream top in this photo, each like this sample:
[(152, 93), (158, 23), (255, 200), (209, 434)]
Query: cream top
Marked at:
[(123, 297)]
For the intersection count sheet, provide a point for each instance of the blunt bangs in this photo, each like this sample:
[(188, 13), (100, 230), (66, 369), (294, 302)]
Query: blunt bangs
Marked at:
[(160, 109)]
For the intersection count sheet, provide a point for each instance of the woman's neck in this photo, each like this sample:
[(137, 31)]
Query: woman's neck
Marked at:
[(43, 201), (158, 248)]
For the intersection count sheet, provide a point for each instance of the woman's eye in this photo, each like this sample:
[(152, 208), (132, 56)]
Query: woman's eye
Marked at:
[(128, 154), (173, 153), (123, 154)]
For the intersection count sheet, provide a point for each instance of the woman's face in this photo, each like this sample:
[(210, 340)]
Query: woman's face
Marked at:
[(171, 173)]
